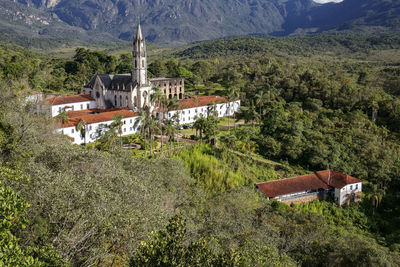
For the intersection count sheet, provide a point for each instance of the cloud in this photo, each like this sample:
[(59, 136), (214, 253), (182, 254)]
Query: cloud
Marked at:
[(327, 1)]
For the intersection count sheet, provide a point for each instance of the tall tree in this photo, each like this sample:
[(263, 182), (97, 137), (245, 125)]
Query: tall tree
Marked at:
[(81, 127)]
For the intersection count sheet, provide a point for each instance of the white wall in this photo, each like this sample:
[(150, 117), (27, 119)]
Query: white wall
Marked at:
[(57, 109), (189, 115), (341, 193), (91, 130)]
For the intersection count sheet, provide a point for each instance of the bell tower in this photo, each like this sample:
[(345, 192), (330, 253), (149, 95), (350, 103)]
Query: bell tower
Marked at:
[(139, 68)]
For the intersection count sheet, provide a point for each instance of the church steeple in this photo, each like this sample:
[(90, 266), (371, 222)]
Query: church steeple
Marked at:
[(139, 69)]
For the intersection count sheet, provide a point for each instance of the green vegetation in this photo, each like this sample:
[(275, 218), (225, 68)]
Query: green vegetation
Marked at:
[(305, 109)]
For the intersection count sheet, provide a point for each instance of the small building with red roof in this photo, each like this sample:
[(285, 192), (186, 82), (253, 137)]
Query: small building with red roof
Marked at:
[(344, 188)]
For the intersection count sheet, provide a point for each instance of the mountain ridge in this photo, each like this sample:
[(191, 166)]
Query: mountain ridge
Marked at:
[(185, 21)]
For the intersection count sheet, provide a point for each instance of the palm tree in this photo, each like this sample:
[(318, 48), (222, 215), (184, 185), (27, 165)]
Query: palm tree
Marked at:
[(153, 128), (117, 125), (261, 98), (170, 130), (232, 94), (173, 104), (249, 114), (200, 125), (63, 117), (81, 127), (143, 121)]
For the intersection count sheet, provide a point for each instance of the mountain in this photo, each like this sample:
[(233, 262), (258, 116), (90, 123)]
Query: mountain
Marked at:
[(183, 21)]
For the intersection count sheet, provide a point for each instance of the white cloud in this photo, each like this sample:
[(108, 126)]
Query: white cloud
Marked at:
[(327, 1)]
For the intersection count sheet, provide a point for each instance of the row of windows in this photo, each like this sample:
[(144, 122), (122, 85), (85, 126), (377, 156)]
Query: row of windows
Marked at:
[(170, 84), (60, 109), (90, 127)]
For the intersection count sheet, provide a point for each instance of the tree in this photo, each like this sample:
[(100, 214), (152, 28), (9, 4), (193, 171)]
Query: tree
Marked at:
[(248, 114), (232, 94), (81, 127), (63, 117), (169, 248), (12, 212), (116, 126), (261, 98), (170, 130), (142, 121), (200, 125)]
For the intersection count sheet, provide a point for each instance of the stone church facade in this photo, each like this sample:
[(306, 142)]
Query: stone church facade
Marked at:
[(132, 90)]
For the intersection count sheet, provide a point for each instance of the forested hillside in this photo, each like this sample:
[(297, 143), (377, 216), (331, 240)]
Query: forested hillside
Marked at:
[(308, 105)]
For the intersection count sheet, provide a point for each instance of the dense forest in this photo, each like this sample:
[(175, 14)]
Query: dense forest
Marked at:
[(309, 103)]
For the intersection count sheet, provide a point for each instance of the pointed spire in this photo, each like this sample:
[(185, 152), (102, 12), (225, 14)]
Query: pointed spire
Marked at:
[(139, 35)]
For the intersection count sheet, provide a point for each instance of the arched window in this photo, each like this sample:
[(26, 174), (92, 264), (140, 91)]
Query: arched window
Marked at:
[(115, 100), (135, 63), (180, 96), (120, 100), (170, 96)]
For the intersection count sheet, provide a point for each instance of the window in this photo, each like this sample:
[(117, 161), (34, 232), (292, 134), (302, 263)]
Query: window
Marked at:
[(72, 131), (351, 187), (72, 107), (356, 186), (87, 106), (81, 106), (169, 115), (189, 111), (180, 83), (124, 130), (130, 121), (135, 63), (59, 109), (124, 121), (131, 129), (183, 112), (90, 127)]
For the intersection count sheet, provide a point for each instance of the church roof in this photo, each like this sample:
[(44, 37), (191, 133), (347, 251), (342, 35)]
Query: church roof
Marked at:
[(319, 180), (139, 35), (113, 81), (61, 100)]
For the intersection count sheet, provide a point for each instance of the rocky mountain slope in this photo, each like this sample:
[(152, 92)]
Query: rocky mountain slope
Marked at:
[(182, 21)]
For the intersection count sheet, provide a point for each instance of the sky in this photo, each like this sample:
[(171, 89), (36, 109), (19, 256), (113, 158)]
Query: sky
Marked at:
[(327, 1)]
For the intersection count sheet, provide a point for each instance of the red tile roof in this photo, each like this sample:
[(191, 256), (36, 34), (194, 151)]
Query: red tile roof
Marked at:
[(100, 117), (313, 181), (336, 179), (200, 101), (77, 113), (61, 100)]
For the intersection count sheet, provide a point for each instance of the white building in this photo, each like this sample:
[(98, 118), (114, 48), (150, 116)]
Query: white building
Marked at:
[(350, 192), (192, 108), (301, 189), (56, 105), (95, 124)]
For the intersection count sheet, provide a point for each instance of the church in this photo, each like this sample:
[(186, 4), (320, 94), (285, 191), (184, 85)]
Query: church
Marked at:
[(132, 90), (109, 95)]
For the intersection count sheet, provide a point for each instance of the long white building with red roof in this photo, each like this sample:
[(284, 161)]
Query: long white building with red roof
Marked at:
[(344, 188)]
